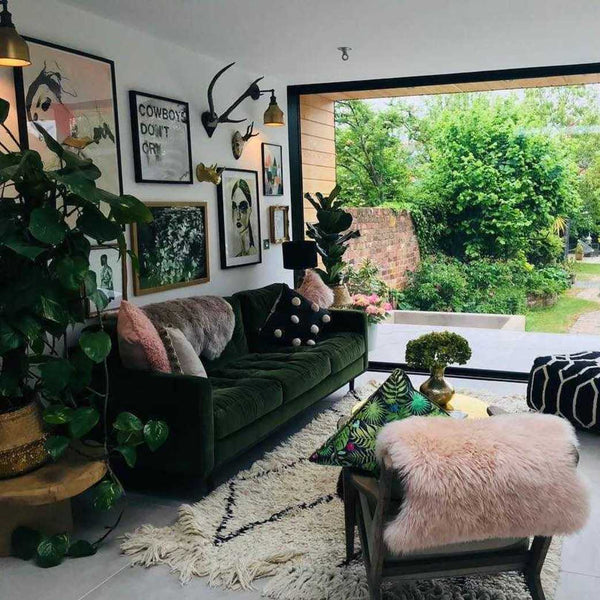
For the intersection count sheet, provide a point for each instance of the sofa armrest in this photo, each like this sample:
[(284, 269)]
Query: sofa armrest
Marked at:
[(184, 402)]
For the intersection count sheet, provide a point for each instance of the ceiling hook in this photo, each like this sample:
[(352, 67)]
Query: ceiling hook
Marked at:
[(344, 50)]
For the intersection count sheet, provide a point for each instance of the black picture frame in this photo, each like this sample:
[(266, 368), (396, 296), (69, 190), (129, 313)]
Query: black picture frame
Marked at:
[(232, 262), (22, 112), (123, 280), (266, 184), (135, 132)]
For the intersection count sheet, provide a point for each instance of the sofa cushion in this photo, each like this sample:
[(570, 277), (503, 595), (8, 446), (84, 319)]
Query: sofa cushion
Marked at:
[(296, 372), (240, 401)]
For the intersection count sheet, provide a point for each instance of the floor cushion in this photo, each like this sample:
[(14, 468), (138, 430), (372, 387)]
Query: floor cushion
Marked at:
[(567, 385), (239, 402)]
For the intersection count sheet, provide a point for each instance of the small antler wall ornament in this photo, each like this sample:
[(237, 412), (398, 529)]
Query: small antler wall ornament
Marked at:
[(238, 141), (210, 119), (211, 174)]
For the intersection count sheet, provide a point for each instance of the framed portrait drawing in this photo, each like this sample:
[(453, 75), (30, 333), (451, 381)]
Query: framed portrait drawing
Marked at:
[(239, 218), (72, 95), (272, 167), (162, 148), (111, 276), (279, 223), (172, 249)]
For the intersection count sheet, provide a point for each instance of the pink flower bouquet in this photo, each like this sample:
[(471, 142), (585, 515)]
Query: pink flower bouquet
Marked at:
[(376, 307)]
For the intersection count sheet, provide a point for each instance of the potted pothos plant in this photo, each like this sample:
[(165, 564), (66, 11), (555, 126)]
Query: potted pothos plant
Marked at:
[(332, 234), (434, 352), (51, 398)]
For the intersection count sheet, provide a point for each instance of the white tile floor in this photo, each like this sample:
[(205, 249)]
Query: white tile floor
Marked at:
[(107, 576)]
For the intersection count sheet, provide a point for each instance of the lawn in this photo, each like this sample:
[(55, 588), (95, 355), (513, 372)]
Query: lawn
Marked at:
[(586, 271), (558, 318)]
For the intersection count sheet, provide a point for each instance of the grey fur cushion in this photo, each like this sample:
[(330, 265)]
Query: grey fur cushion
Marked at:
[(206, 321)]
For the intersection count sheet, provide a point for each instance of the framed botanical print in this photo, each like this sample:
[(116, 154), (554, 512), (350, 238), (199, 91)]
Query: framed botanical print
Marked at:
[(272, 166), (239, 218), (111, 276), (72, 95), (162, 148), (279, 222), (173, 248)]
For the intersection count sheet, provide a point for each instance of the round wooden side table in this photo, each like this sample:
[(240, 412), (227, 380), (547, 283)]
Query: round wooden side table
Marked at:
[(473, 407), (42, 499)]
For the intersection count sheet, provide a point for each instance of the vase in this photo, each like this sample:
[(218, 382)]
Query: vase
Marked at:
[(22, 440), (341, 296), (436, 388), (372, 333)]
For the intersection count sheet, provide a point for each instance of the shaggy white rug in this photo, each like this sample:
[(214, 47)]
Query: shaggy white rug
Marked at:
[(281, 519)]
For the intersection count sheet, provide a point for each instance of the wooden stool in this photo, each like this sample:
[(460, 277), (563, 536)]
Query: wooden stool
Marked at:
[(42, 499)]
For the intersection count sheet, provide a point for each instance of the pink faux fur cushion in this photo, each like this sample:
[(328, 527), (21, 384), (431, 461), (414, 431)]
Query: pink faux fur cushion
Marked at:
[(315, 290), (140, 346), (509, 476)]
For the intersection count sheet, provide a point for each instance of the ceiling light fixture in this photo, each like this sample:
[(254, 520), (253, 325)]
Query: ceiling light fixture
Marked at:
[(344, 50), (14, 51)]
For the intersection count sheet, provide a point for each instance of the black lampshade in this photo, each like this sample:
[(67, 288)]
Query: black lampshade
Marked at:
[(299, 255)]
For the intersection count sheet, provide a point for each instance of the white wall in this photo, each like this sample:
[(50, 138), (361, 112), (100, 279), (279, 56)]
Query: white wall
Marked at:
[(148, 64)]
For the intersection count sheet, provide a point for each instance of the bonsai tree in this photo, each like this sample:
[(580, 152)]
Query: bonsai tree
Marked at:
[(331, 233), (437, 350), (47, 219)]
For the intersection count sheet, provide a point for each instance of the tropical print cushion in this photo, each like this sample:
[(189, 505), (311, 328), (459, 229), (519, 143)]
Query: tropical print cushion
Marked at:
[(353, 445)]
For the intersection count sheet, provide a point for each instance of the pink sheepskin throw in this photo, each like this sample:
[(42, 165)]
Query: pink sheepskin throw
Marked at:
[(315, 290), (510, 476), (140, 346)]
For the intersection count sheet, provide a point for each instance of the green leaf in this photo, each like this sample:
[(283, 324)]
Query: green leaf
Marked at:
[(129, 453), (130, 438), (22, 247), (83, 368), (9, 338), (29, 326), (56, 445), (80, 549), (127, 422), (156, 434), (83, 420), (100, 299), (71, 271), (46, 225), (99, 227), (4, 110), (106, 493), (58, 414), (52, 310), (90, 283), (24, 542), (56, 374), (95, 344), (52, 550)]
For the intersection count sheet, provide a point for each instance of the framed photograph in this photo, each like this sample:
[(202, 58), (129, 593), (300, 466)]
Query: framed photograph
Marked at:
[(239, 218), (279, 224), (173, 248), (162, 147), (272, 161), (72, 95), (111, 276)]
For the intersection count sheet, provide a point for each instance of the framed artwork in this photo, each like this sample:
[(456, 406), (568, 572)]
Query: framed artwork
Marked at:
[(72, 95), (111, 276), (239, 218), (279, 222), (173, 248), (162, 147), (272, 165)]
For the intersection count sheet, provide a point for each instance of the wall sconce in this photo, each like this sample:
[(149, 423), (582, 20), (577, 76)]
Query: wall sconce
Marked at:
[(273, 115), (14, 51)]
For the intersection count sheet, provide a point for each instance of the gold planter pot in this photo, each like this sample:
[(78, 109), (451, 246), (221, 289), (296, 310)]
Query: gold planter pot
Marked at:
[(22, 440), (341, 296), (436, 388)]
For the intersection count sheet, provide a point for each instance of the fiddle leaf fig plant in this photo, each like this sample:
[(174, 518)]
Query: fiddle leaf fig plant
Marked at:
[(332, 233), (48, 220)]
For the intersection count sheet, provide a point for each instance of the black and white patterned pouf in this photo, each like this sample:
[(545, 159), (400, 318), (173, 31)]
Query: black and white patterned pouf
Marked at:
[(567, 385)]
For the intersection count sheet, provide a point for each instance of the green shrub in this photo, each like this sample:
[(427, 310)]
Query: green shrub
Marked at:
[(365, 279), (437, 349)]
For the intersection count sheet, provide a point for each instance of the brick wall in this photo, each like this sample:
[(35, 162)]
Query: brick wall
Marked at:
[(389, 239)]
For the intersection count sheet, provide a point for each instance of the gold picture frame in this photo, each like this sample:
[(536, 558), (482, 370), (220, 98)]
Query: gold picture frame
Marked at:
[(146, 237), (279, 224)]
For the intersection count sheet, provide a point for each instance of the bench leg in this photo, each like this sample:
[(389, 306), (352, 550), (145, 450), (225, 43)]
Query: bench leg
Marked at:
[(351, 385), (350, 498)]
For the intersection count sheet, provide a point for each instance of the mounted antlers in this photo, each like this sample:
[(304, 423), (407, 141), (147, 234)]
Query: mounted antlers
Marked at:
[(210, 119), (238, 141)]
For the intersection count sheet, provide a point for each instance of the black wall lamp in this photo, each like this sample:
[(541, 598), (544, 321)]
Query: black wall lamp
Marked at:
[(14, 51)]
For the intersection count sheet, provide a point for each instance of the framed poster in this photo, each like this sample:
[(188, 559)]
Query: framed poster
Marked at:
[(239, 218), (272, 166), (173, 248), (72, 95), (111, 276), (162, 147), (279, 224)]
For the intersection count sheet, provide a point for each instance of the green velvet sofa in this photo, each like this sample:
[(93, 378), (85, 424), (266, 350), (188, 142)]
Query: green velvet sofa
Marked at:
[(251, 389)]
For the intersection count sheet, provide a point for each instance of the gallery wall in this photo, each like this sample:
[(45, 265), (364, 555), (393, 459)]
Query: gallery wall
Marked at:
[(147, 64)]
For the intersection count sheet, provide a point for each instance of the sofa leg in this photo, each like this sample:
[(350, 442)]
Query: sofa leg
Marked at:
[(535, 587), (351, 385)]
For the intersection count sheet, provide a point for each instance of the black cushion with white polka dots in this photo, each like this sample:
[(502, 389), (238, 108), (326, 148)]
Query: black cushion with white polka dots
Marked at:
[(294, 321)]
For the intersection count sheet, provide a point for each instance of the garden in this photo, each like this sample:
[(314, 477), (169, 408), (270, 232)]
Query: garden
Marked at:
[(499, 185)]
